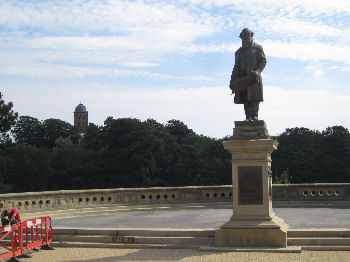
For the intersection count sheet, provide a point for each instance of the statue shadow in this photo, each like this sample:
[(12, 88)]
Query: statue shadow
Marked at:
[(150, 255)]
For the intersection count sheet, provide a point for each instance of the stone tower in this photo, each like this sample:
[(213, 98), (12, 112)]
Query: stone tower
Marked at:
[(80, 118)]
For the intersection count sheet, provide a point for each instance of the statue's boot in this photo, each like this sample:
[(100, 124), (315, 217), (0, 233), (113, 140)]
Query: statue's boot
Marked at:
[(255, 110), (248, 112)]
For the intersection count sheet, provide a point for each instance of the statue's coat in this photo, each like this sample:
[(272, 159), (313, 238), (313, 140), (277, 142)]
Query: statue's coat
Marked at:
[(254, 59)]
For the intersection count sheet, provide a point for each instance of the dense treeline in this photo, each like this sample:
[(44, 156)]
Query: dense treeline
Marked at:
[(309, 156), (52, 155), (126, 152)]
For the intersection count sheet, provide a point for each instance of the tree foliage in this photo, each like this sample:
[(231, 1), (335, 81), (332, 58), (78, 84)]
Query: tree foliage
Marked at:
[(27, 131), (26, 167), (128, 152), (124, 152), (51, 129), (7, 115), (7, 120), (311, 156), (30, 131)]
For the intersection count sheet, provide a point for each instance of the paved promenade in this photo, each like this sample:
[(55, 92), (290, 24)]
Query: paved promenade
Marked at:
[(199, 215), (193, 216), (180, 255)]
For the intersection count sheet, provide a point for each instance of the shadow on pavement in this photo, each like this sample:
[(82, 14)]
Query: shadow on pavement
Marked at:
[(150, 255)]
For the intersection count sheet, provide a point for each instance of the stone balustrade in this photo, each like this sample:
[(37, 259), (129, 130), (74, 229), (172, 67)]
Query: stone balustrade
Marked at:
[(312, 194), (283, 195)]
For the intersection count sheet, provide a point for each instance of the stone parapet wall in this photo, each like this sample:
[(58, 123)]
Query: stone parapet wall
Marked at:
[(312, 192), (50, 200)]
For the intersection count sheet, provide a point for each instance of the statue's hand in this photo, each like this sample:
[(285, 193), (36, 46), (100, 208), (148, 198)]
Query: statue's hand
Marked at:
[(254, 73)]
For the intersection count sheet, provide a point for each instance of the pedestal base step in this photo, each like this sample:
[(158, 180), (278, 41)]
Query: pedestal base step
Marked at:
[(120, 245), (291, 249)]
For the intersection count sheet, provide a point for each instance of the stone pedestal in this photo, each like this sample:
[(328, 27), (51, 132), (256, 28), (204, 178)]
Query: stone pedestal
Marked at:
[(253, 223)]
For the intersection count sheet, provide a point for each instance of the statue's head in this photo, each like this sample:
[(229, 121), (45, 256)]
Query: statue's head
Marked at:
[(246, 32), (247, 36)]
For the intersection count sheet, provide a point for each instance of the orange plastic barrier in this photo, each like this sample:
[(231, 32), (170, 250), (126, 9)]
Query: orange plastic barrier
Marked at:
[(16, 248), (27, 235), (37, 232)]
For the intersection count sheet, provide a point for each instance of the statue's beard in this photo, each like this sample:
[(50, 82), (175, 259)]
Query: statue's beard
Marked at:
[(247, 42)]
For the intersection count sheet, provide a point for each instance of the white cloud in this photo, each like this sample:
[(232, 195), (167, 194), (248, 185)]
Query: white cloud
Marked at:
[(310, 7), (285, 19), (160, 20), (314, 109), (141, 34), (306, 51), (138, 64), (296, 27), (157, 39), (315, 68), (318, 73), (112, 16), (345, 69), (47, 70)]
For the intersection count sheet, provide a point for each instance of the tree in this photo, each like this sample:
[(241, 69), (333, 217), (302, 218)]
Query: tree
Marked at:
[(128, 156), (55, 128), (297, 153), (282, 178), (93, 137), (28, 131), (306, 156), (178, 129), (333, 160), (26, 168), (74, 167), (7, 120), (200, 160)]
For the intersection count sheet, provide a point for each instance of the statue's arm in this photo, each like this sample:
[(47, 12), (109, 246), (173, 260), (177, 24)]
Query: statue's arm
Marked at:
[(234, 74), (261, 60), (232, 80)]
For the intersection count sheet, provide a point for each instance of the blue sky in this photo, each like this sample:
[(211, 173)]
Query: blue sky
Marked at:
[(173, 60)]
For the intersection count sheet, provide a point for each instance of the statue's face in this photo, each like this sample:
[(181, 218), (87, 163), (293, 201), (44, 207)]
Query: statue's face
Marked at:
[(246, 34), (247, 38)]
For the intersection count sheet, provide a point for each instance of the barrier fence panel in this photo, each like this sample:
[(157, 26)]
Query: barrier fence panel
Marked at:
[(16, 246), (38, 232), (25, 236), (48, 230)]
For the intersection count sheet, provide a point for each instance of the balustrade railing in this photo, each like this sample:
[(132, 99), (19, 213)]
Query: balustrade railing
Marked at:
[(48, 200)]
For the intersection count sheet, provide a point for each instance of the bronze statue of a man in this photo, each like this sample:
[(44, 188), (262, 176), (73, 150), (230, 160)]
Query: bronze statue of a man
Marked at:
[(246, 81)]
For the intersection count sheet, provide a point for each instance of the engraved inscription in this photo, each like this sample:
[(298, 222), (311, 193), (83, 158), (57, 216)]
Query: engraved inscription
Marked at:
[(123, 239), (250, 191)]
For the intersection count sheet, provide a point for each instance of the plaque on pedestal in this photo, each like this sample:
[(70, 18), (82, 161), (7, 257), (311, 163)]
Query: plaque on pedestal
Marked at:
[(250, 189)]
